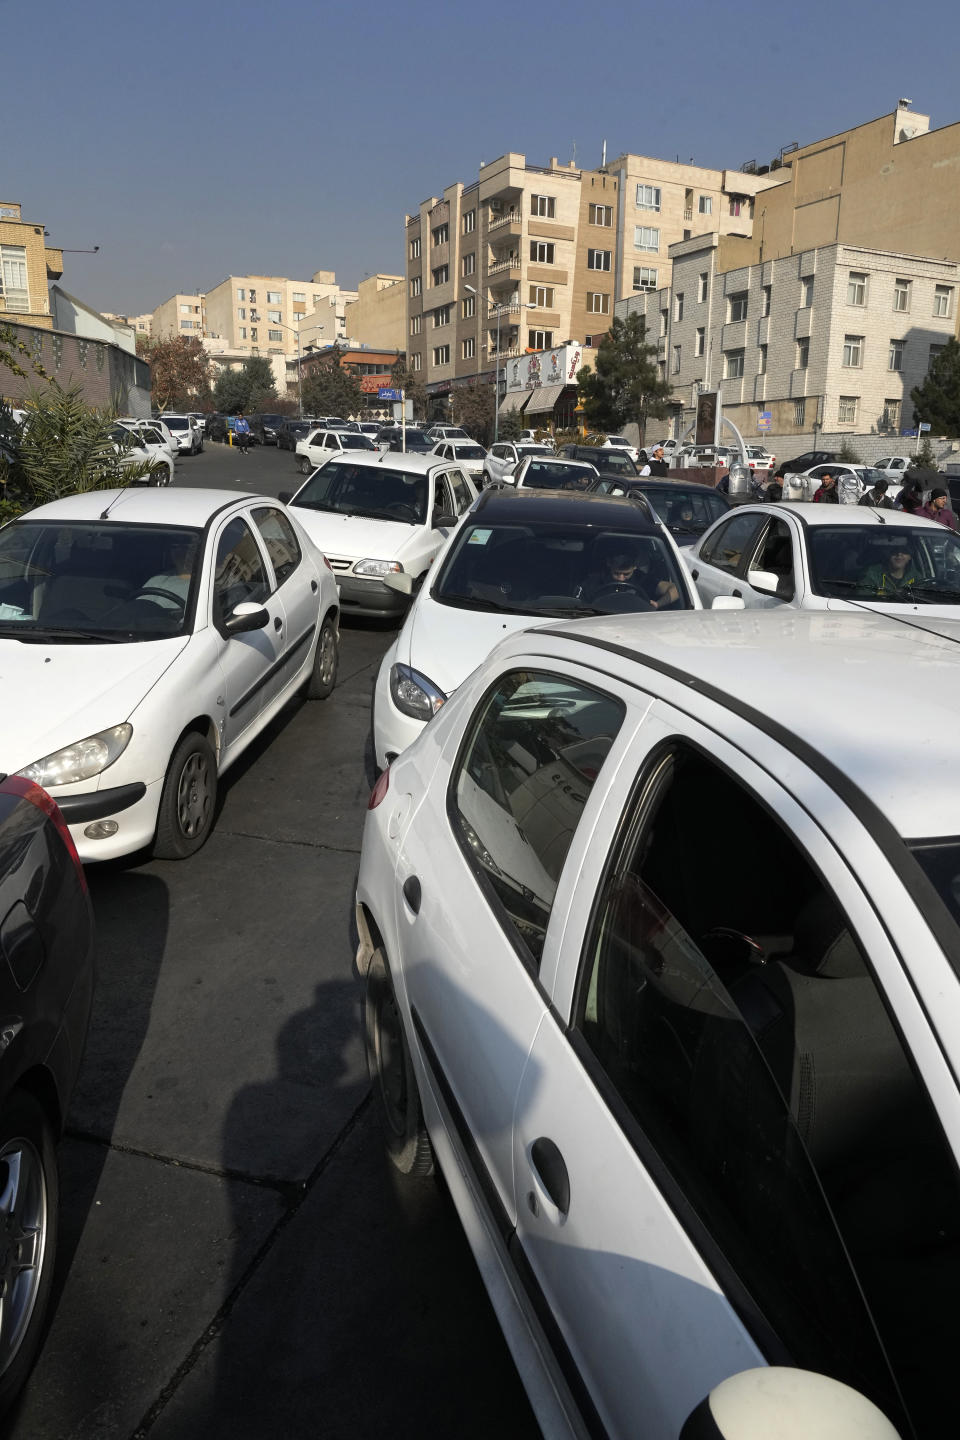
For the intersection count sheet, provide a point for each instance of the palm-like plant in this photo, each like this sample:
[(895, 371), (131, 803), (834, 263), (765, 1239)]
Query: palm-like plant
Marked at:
[(69, 446)]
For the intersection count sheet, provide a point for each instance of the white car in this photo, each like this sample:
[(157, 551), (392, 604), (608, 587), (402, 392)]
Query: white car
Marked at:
[(620, 442), (549, 472), (185, 433), (381, 516), (670, 447), (516, 558), (136, 447), (659, 925), (895, 467), (318, 446), (370, 428), (446, 432), (853, 480), (465, 453), (531, 437), (504, 457), (153, 434), (830, 557), (149, 637)]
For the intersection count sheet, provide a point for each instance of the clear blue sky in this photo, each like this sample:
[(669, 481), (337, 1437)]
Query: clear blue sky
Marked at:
[(191, 141)]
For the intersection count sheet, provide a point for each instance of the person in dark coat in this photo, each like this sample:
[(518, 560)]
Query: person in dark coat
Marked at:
[(828, 491), (877, 497)]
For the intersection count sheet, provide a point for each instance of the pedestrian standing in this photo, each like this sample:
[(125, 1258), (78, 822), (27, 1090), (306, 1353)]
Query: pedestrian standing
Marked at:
[(658, 466), (877, 497), (828, 491), (937, 508), (241, 432)]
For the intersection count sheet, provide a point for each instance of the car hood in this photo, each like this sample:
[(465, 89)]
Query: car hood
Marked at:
[(67, 692), (356, 537), (446, 644)]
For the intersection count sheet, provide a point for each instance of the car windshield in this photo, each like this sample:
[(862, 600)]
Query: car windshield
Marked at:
[(352, 441), (560, 569), (612, 462), (869, 475), (559, 475), (176, 422), (82, 581), (919, 566), (527, 448), (415, 440), (375, 492), (469, 452), (689, 508), (618, 440)]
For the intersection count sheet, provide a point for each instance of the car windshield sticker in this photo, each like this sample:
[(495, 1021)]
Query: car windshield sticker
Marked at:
[(479, 537)]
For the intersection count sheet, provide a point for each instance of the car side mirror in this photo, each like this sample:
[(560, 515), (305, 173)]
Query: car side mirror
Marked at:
[(727, 602), (248, 615), (765, 581), (509, 478), (791, 1404), (402, 583), (441, 521)]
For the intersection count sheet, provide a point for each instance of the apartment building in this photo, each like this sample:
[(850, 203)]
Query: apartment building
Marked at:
[(180, 315), (141, 324), (27, 264), (832, 338), (378, 315)]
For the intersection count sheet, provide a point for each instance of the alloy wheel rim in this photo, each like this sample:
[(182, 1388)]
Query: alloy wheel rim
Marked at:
[(327, 655), (23, 1241)]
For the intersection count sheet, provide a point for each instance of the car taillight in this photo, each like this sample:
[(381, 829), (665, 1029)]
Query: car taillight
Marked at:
[(379, 790), (36, 795)]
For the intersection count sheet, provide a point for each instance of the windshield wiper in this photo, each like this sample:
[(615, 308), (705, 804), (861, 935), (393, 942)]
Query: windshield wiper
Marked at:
[(40, 633), (475, 602), (383, 515), (936, 592)]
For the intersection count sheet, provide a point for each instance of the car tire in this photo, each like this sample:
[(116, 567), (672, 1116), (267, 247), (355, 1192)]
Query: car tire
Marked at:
[(391, 1072), (30, 1186), (326, 662), (188, 800), (303, 465)]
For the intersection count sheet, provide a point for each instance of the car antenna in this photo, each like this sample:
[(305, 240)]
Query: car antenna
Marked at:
[(119, 496)]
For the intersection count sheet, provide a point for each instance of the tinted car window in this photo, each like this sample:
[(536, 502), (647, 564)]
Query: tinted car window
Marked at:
[(519, 788), (554, 475), (693, 508), (725, 546), (239, 575), (280, 541), (867, 562)]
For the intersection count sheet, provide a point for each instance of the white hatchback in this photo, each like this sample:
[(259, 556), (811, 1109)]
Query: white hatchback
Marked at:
[(659, 925), (148, 637), (185, 432)]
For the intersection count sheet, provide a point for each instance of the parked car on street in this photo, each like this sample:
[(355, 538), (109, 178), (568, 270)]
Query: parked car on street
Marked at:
[(216, 427), (548, 472), (446, 432), (317, 446), (413, 440), (686, 510), (604, 460), (171, 626), (620, 442), (467, 454), (380, 517), (801, 463), (46, 989), (658, 919), (154, 437), (185, 434), (517, 558), (138, 447), (852, 481), (266, 427), (290, 431), (894, 468)]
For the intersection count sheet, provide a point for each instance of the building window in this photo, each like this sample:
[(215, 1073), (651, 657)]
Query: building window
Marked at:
[(243, 332), (274, 334), (253, 297), (598, 303), (469, 348), (441, 275), (677, 358), (935, 350), (698, 348), (703, 285), (441, 316), (416, 287), (857, 288), (601, 215), (299, 298), (13, 278), (678, 306), (468, 306), (737, 307), (253, 333), (895, 359), (664, 321), (441, 355), (734, 364), (316, 300), (542, 296), (942, 297), (598, 259), (645, 238), (644, 278), (705, 205), (544, 205), (738, 203), (241, 312), (417, 361), (441, 234), (415, 249), (186, 324), (469, 222), (901, 295), (803, 353), (274, 297), (468, 264), (891, 414), (763, 360), (186, 309), (765, 297), (275, 316), (799, 412), (541, 253), (806, 291), (540, 339), (416, 324), (847, 409), (648, 197), (687, 234), (241, 293), (852, 352)]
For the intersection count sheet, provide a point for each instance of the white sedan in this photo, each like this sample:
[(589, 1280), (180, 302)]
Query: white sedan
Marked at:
[(830, 557), (465, 453), (148, 636), (659, 925), (319, 446)]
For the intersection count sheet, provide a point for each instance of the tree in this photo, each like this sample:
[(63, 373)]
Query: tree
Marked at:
[(332, 389), (937, 400), (473, 408), (179, 373), (10, 347), (510, 425), (250, 389), (626, 386)]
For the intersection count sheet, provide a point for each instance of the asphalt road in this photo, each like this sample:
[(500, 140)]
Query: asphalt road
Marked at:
[(237, 1258)]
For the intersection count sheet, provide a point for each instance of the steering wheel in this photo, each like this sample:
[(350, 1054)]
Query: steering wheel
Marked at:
[(405, 512), (167, 594), (616, 587)]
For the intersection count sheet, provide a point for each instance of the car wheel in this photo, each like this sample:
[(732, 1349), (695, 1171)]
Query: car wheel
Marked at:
[(188, 800), (326, 661), (391, 1071), (29, 1194), (303, 465)]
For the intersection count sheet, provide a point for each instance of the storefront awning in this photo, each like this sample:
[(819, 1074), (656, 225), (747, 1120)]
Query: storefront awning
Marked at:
[(514, 400), (544, 398)]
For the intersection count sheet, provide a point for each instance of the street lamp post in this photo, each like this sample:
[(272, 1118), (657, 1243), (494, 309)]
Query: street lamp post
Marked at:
[(499, 307), (296, 331)]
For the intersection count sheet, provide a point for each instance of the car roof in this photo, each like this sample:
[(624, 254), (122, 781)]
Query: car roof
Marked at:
[(419, 464), (844, 687), (812, 514), (564, 507), (147, 505)]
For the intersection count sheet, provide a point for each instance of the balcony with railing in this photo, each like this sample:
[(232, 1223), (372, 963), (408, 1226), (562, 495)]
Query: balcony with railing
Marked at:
[(504, 265), (510, 223)]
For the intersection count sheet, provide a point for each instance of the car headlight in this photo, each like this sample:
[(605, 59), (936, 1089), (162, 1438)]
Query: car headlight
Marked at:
[(378, 568), (413, 694), (80, 761)]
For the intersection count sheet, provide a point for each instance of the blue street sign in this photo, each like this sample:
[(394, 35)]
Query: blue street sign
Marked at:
[(389, 394), (923, 426), (912, 431)]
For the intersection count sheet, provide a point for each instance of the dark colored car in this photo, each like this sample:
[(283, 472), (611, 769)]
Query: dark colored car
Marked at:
[(607, 461), (686, 510), (806, 461), (265, 427), (46, 989), (416, 440), (290, 431), (216, 427)]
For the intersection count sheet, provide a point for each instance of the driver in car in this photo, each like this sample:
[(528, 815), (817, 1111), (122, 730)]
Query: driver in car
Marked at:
[(621, 575), (175, 581), (892, 575)]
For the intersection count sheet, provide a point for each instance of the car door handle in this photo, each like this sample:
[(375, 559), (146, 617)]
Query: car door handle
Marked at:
[(552, 1180), (277, 623), (412, 893), (695, 574), (737, 593), (314, 586)]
